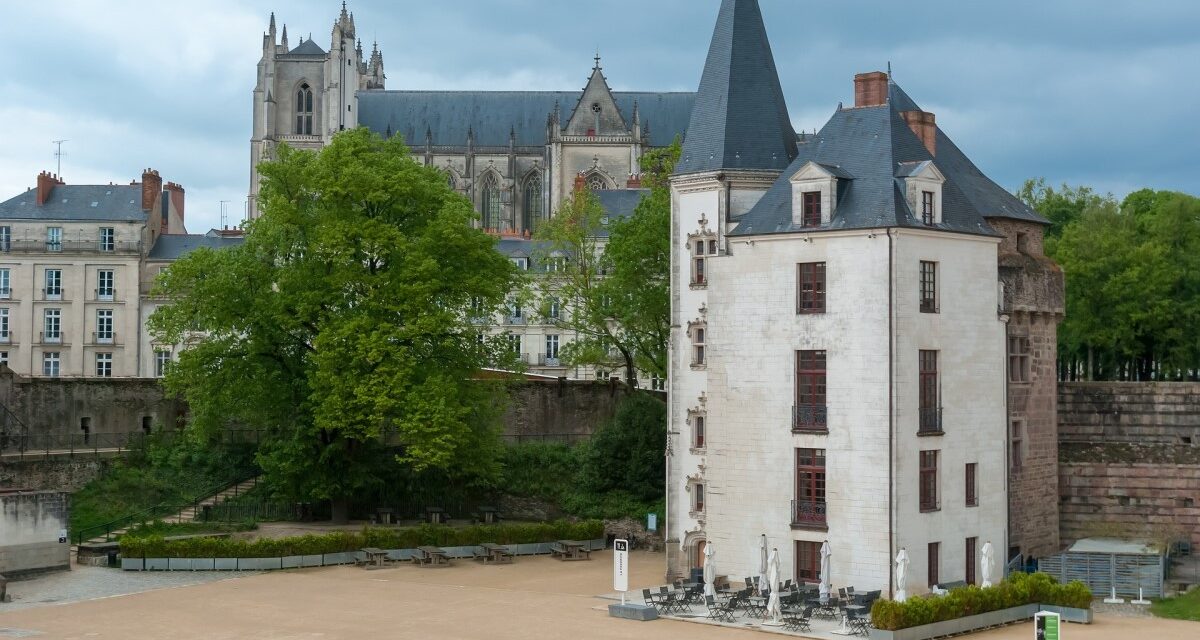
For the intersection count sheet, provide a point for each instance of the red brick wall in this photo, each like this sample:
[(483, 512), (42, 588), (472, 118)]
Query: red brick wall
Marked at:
[(1159, 502)]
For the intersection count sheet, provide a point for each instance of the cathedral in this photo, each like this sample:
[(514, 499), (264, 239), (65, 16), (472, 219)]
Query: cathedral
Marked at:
[(514, 154)]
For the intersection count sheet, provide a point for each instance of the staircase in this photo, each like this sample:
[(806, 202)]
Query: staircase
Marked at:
[(186, 514)]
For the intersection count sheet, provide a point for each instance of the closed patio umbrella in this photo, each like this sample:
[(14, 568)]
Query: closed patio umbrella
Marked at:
[(762, 562), (901, 575), (826, 585), (773, 581), (987, 563), (710, 571)]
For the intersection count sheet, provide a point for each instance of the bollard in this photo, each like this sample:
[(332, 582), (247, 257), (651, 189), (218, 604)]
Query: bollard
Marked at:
[(3, 589)]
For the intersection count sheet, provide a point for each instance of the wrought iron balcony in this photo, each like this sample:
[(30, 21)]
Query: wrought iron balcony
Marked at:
[(810, 417), (105, 295), (514, 320), (931, 421), (808, 513), (545, 360), (104, 337), (82, 245)]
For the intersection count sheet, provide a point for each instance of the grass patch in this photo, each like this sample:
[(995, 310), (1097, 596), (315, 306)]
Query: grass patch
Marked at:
[(1184, 607), (168, 529)]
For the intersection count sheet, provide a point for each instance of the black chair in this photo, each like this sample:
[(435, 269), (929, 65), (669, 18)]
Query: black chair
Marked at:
[(857, 623), (718, 611), (653, 600)]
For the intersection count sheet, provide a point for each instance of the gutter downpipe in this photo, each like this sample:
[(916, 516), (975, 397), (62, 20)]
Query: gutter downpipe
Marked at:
[(891, 417), (1004, 320)]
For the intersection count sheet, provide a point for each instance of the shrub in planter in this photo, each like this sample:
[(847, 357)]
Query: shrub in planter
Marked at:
[(1018, 590)]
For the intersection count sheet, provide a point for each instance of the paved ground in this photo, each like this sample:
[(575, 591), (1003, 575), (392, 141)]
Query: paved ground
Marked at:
[(535, 598), (90, 583)]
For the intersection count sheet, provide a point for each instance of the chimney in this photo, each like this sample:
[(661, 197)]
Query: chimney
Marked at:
[(152, 186), (175, 194), (634, 182), (870, 89), (924, 124), (45, 184), (580, 183)]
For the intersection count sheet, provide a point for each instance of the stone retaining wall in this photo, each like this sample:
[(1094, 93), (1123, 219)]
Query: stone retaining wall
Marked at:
[(30, 528)]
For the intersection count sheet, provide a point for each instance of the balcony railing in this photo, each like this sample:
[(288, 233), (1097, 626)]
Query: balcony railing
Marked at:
[(5, 293), (54, 295), (810, 417), (104, 337), (808, 513), (514, 320), (86, 245), (105, 295), (545, 360), (929, 305), (52, 338), (931, 421), (5, 337)]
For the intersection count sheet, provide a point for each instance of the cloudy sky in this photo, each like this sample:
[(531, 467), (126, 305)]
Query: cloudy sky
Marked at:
[(1102, 93)]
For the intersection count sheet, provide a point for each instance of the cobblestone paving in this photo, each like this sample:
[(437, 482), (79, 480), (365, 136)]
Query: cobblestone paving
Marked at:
[(90, 583)]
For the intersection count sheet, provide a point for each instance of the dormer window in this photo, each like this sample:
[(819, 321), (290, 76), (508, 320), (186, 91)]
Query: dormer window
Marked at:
[(923, 186), (815, 194), (812, 209)]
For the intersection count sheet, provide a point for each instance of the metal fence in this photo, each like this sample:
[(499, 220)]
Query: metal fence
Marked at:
[(1130, 575), (46, 444), (561, 438)]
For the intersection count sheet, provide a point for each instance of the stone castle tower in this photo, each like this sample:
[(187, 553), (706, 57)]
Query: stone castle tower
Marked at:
[(304, 95)]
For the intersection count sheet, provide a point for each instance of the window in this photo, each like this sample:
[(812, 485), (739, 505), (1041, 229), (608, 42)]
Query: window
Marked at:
[(698, 498), (522, 263), (514, 344), (162, 359), (104, 326), (812, 208), (810, 413), (52, 327), (5, 284), (808, 561), (53, 238), (971, 486), (304, 111), (698, 347), (108, 239), (810, 288), (657, 383), (1018, 359), (698, 426), (105, 285), (532, 213), (929, 481), (492, 207), (554, 309), (971, 560), (50, 364), (5, 238), (552, 349), (4, 358), (929, 287), (596, 182), (927, 216), (702, 250), (935, 550), (1016, 457), (53, 284), (104, 365), (809, 507), (930, 412), (5, 336)]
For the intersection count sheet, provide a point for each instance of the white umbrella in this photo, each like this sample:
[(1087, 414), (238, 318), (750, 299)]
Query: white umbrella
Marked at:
[(710, 571), (762, 562), (901, 575), (987, 562), (773, 580), (826, 586)]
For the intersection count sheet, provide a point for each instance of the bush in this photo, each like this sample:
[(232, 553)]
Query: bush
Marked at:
[(155, 546), (1019, 589)]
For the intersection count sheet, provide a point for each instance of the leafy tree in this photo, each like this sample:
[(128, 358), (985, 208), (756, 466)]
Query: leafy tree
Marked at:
[(341, 327), (1061, 207), (627, 453), (616, 293)]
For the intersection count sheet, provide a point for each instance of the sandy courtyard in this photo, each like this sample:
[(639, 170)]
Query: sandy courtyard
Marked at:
[(534, 598)]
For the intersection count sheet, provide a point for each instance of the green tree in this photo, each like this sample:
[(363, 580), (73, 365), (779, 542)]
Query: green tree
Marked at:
[(341, 327), (615, 289), (627, 454)]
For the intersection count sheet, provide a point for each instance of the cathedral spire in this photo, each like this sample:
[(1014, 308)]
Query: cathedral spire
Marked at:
[(284, 41), (740, 120)]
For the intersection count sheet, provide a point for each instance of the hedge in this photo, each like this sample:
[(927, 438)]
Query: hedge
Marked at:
[(156, 547), (1017, 590)]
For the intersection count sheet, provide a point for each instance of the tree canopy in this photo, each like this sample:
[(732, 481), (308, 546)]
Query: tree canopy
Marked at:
[(341, 327)]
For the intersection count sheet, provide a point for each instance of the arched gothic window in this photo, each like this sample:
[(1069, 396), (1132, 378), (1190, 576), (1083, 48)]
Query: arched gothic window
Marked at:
[(304, 111), (595, 182), (532, 213), (492, 207)]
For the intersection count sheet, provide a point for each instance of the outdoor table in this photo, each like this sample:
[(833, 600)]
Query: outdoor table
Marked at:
[(386, 515), (573, 550), (694, 590), (489, 515), (375, 557), (435, 515), (757, 606), (432, 557), (496, 554)]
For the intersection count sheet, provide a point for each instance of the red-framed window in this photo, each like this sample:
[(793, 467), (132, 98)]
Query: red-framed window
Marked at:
[(927, 207), (927, 390), (935, 550), (808, 561), (698, 498), (810, 410), (698, 347), (698, 427), (810, 487), (929, 481), (810, 287), (972, 490), (812, 209), (972, 562), (929, 303)]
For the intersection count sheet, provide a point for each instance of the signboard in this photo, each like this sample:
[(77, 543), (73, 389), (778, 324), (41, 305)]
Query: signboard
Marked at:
[(62, 536), (1046, 626), (621, 566), (651, 522)]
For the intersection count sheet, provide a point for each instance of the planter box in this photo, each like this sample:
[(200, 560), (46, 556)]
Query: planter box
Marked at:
[(158, 564), (225, 564), (311, 561), (971, 623), (347, 557), (258, 564), (1070, 614), (292, 562), (133, 564)]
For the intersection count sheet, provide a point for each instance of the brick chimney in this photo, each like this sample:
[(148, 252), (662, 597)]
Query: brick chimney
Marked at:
[(152, 186), (924, 124), (634, 182), (45, 184), (870, 89), (580, 183), (175, 195)]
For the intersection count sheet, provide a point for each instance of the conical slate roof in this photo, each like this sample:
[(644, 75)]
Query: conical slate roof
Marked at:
[(740, 120)]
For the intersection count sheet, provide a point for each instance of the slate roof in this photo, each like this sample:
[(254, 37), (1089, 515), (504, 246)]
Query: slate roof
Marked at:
[(493, 114), (740, 120), (102, 203), (307, 48), (174, 247), (875, 147)]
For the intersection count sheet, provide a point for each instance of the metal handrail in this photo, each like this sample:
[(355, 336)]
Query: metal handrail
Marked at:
[(809, 512), (810, 417), (930, 420)]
